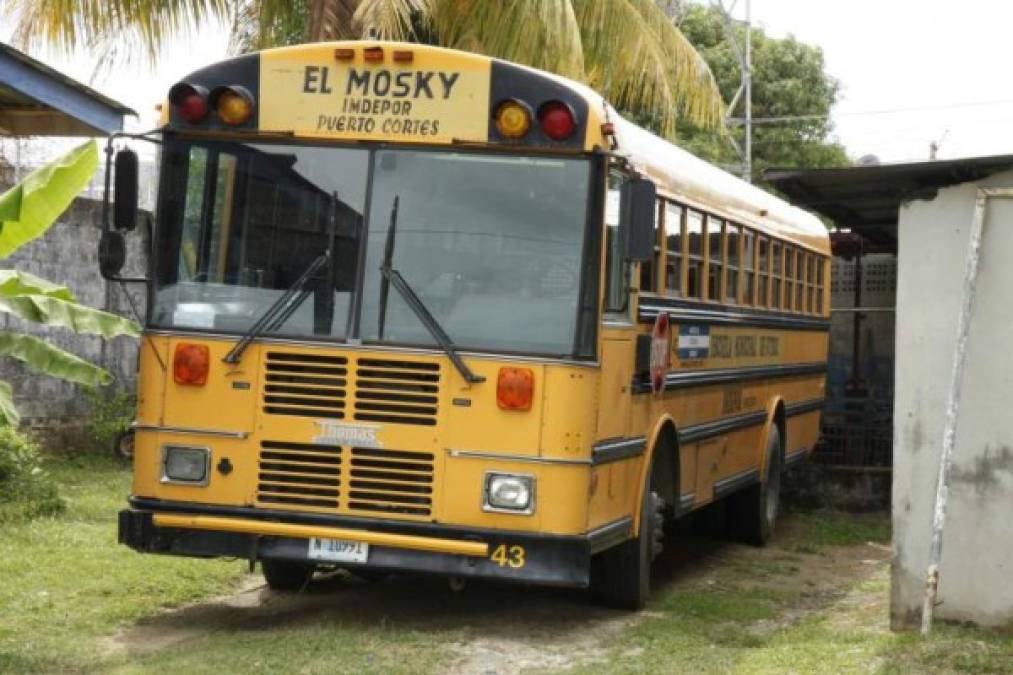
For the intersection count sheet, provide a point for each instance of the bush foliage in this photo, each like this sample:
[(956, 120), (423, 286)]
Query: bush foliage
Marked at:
[(111, 414), (26, 490)]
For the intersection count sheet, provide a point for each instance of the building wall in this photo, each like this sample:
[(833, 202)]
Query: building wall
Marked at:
[(67, 254), (977, 556)]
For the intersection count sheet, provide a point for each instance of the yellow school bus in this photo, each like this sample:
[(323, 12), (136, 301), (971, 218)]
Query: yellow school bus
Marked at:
[(415, 309)]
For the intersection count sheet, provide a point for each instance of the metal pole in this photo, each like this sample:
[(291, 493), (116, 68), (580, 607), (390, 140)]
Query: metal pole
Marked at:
[(952, 407), (747, 75)]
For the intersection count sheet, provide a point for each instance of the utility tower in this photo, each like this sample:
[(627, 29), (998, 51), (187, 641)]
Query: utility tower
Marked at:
[(743, 49)]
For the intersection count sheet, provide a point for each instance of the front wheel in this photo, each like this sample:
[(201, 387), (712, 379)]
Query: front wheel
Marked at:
[(283, 575), (621, 576), (754, 510)]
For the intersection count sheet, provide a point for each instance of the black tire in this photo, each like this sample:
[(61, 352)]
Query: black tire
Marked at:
[(754, 510), (283, 575), (621, 576), (123, 445)]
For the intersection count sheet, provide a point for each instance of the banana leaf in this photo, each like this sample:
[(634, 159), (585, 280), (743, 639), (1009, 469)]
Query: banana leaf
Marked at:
[(9, 415), (31, 207), (54, 311), (49, 360)]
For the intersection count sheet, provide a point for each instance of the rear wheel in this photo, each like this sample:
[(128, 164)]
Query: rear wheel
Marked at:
[(621, 576), (284, 575), (754, 510)]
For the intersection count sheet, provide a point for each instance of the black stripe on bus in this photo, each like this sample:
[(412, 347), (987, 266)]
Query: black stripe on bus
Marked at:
[(681, 311), (604, 452), (680, 379), (735, 482), (700, 432), (803, 407)]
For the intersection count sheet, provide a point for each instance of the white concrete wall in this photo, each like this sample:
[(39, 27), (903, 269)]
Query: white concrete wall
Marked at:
[(978, 544)]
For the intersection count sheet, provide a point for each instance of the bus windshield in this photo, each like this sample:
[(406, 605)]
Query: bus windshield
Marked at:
[(491, 243)]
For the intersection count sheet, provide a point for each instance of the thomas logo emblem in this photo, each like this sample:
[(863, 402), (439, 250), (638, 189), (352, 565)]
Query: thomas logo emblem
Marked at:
[(336, 433)]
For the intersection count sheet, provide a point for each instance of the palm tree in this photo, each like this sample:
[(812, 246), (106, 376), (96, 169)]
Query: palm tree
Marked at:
[(630, 50)]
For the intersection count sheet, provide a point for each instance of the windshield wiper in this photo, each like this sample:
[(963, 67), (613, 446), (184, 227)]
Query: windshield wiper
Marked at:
[(392, 277), (279, 311)]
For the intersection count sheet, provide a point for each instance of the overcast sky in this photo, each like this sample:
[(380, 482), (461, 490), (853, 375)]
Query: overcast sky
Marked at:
[(936, 67)]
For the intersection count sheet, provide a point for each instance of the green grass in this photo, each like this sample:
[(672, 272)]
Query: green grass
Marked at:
[(810, 603), (65, 582), (755, 614)]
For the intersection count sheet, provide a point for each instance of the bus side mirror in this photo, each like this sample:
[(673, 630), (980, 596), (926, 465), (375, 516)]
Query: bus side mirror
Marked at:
[(638, 207), (112, 253), (125, 196)]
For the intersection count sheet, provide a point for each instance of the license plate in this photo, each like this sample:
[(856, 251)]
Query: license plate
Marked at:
[(338, 550)]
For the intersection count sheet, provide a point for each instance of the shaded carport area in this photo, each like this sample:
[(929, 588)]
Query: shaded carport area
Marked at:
[(36, 100), (863, 203)]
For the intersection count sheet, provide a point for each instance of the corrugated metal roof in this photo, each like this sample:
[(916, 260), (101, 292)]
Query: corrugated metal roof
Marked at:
[(866, 199), (40, 101)]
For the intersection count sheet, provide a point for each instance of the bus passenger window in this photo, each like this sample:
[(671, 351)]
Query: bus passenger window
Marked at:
[(820, 266), (789, 276), (748, 253), (810, 277), (616, 286), (800, 282), (764, 270), (732, 264), (695, 231), (775, 275), (715, 257), (674, 227), (648, 270)]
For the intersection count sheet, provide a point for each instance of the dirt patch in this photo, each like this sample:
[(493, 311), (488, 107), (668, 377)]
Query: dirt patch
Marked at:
[(495, 629)]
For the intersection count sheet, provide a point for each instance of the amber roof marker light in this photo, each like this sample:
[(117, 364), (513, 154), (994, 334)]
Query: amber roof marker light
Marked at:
[(234, 104), (512, 118)]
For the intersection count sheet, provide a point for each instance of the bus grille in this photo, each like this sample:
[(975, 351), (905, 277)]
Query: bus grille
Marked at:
[(404, 392), (301, 474), (375, 480), (307, 385), (390, 481)]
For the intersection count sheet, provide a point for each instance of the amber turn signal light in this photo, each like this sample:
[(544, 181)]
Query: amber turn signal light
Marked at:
[(515, 388), (190, 364)]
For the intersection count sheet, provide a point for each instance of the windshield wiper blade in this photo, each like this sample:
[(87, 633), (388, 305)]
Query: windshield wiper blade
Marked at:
[(279, 311), (392, 277)]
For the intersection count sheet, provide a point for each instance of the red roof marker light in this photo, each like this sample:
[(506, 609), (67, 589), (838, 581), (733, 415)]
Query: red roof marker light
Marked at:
[(190, 101), (557, 120)]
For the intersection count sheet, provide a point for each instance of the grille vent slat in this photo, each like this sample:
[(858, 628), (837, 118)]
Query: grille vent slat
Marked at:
[(401, 392), (299, 474), (305, 385), (372, 480)]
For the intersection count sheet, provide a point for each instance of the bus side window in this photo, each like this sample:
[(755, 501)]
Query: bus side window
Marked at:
[(775, 275), (649, 270), (810, 277), (696, 232), (715, 257), (616, 282), (674, 236), (763, 271), (748, 267), (820, 267), (789, 277), (734, 256), (799, 281)]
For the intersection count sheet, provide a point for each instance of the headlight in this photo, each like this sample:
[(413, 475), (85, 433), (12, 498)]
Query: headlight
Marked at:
[(185, 464), (509, 492)]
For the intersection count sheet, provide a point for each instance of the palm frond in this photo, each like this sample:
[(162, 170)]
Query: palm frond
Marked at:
[(639, 59), (69, 24), (331, 20), (542, 34), (392, 19)]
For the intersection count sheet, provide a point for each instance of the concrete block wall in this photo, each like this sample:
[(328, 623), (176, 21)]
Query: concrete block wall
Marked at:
[(977, 560), (67, 254)]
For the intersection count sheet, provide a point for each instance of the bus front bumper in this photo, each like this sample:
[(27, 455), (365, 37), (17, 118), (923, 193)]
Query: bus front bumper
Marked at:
[(154, 526)]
